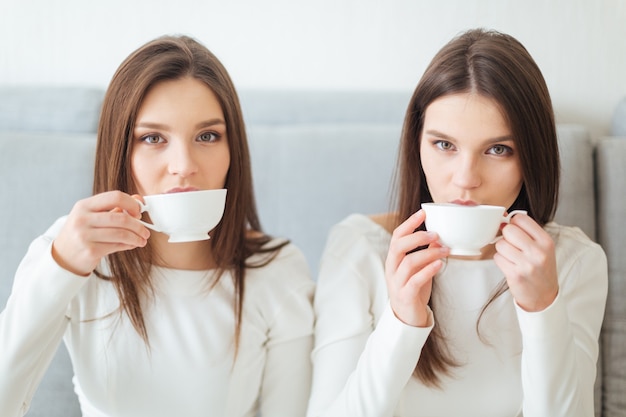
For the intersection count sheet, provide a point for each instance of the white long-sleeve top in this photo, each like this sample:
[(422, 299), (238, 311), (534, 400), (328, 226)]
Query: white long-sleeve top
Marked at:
[(540, 364), (189, 369)]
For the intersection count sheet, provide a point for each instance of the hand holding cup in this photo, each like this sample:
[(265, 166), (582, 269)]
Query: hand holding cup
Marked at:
[(186, 216), (466, 229)]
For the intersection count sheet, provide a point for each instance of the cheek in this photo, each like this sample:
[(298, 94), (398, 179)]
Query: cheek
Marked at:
[(515, 174), (226, 163), (512, 181), (435, 168), (224, 171), (140, 172), (435, 177), (426, 159), (219, 166)]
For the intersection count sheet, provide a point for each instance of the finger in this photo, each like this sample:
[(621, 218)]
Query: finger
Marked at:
[(80, 249), (141, 202), (504, 264), (139, 198), (534, 242), (530, 263), (542, 242), (111, 200), (416, 263), (408, 229), (528, 225), (423, 277), (409, 225), (117, 220), (516, 236), (507, 251), (107, 227), (114, 236), (409, 301), (403, 246)]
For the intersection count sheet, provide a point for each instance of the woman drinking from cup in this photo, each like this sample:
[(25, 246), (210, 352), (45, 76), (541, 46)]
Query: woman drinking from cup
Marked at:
[(218, 326), (405, 329)]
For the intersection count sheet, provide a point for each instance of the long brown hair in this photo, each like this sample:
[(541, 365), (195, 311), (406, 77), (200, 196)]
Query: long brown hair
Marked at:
[(496, 66), (169, 58)]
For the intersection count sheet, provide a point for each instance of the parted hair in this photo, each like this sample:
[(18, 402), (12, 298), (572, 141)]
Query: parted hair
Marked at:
[(171, 58), (496, 66)]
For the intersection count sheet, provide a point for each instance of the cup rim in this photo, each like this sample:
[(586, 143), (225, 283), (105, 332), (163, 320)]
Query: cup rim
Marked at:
[(453, 205), (218, 191)]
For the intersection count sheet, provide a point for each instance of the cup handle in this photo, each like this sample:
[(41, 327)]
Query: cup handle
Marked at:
[(144, 208), (507, 219)]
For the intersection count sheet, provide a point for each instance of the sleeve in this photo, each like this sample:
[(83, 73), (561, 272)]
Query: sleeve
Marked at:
[(560, 344), (32, 325), (287, 374), (360, 367)]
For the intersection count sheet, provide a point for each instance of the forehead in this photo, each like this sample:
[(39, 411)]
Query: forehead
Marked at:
[(179, 97), (466, 116)]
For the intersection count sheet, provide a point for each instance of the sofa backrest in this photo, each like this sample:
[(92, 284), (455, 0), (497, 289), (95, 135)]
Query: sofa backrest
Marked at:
[(308, 178), (611, 179), (578, 187), (43, 175), (313, 164), (274, 108), (49, 109)]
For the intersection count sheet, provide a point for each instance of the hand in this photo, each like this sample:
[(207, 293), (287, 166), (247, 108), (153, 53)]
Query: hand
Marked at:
[(526, 256), (96, 227), (409, 276)]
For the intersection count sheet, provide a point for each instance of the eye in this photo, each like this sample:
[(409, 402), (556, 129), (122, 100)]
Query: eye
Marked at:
[(444, 145), (209, 137), (152, 138), (500, 150)]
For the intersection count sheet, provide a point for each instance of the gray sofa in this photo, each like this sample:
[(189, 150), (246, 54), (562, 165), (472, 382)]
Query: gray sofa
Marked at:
[(317, 156)]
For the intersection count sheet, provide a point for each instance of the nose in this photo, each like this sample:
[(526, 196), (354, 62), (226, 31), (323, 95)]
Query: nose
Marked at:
[(467, 174), (181, 159)]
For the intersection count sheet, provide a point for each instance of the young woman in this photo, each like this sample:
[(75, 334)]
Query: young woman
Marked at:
[(404, 329), (218, 327)]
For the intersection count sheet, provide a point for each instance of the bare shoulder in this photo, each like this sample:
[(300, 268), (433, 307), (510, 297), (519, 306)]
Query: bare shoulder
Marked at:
[(254, 234), (388, 221)]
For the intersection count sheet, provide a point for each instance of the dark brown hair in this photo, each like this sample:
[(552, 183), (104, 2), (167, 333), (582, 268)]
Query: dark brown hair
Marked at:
[(496, 66), (170, 58)]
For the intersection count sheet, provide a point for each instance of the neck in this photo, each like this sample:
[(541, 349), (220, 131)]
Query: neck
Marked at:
[(186, 255)]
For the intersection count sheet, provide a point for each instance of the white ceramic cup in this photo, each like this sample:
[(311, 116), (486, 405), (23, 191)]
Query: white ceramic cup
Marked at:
[(186, 216), (466, 229)]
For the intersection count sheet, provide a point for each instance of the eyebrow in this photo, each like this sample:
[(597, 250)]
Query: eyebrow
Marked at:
[(160, 126), (497, 139)]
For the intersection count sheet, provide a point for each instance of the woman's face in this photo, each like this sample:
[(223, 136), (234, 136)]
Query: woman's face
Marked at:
[(468, 153), (180, 139)]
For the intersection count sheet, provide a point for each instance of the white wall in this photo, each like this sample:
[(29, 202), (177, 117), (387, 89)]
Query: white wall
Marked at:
[(323, 44)]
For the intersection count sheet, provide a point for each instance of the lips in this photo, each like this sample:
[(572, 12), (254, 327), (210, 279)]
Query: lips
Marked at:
[(182, 190), (465, 202)]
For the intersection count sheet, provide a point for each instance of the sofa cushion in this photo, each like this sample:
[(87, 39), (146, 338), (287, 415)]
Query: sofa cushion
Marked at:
[(49, 109), (321, 107), (307, 178), (43, 175), (618, 127), (611, 178), (577, 189), (53, 172)]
